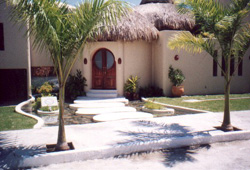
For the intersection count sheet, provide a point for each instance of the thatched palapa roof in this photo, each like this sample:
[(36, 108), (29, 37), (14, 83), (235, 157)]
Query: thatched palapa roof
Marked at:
[(132, 27), (145, 20), (164, 16)]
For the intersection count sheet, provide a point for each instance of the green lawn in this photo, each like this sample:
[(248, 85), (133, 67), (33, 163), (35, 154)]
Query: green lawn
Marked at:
[(9, 120), (212, 105)]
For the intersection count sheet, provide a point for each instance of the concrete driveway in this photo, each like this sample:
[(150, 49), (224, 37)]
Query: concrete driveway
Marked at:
[(220, 156)]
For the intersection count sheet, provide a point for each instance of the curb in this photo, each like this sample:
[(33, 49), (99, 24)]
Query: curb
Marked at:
[(177, 107), (40, 121), (111, 151), (168, 111)]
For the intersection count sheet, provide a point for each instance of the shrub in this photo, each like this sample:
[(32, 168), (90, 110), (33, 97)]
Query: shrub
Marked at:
[(150, 91), (45, 89), (75, 85), (37, 82), (131, 88), (37, 104), (131, 84), (176, 76)]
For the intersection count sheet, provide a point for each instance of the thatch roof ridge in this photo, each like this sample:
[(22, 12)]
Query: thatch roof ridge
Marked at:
[(164, 16), (132, 27)]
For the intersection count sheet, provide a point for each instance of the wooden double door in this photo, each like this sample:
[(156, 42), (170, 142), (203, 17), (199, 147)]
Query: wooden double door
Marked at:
[(103, 70)]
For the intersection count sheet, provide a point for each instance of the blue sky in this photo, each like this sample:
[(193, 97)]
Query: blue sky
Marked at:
[(133, 2)]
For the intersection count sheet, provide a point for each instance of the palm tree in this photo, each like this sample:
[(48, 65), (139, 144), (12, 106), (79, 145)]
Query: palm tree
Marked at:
[(222, 28), (64, 31)]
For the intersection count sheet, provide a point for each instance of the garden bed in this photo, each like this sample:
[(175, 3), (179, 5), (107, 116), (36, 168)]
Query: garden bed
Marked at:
[(70, 117), (138, 104)]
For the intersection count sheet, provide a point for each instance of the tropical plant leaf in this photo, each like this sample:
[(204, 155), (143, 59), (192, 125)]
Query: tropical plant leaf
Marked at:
[(191, 43)]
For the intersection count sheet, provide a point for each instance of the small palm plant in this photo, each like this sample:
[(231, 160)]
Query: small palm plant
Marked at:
[(131, 87), (64, 32)]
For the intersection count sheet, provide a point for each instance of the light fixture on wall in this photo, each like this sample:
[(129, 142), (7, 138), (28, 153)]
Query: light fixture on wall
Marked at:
[(85, 61), (119, 60), (176, 57)]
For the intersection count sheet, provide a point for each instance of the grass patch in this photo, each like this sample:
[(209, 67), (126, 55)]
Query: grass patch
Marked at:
[(9, 120), (210, 105), (150, 105)]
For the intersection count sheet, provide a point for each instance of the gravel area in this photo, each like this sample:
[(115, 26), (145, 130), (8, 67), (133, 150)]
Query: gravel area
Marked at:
[(70, 118)]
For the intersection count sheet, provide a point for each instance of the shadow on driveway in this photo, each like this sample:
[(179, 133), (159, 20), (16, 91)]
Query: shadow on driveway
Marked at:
[(11, 154), (151, 132), (178, 155)]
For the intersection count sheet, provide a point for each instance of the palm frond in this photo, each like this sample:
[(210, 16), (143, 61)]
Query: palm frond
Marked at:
[(206, 13), (241, 41), (188, 42), (241, 6)]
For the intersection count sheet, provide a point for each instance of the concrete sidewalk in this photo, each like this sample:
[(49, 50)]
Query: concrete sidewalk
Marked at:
[(26, 148)]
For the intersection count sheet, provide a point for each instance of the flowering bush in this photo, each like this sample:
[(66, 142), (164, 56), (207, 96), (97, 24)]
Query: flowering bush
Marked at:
[(45, 89)]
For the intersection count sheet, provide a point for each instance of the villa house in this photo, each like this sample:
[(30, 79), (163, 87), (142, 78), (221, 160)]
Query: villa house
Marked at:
[(136, 46)]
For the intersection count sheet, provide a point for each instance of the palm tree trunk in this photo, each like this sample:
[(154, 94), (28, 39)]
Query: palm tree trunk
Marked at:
[(226, 125), (61, 140)]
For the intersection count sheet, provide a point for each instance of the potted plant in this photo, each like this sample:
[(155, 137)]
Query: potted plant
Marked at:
[(176, 77)]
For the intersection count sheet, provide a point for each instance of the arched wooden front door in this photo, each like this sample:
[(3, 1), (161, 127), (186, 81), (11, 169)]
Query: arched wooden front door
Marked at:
[(103, 70)]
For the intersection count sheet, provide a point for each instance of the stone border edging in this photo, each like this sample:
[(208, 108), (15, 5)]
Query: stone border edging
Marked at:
[(167, 111), (177, 107), (40, 121), (111, 151)]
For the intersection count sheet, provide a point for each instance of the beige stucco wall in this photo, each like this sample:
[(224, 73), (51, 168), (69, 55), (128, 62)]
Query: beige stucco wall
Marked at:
[(135, 56), (38, 57), (158, 62), (198, 70), (138, 61), (15, 44)]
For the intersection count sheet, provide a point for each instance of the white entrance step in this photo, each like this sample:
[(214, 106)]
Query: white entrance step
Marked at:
[(121, 115), (102, 93), (84, 99), (95, 105), (95, 111)]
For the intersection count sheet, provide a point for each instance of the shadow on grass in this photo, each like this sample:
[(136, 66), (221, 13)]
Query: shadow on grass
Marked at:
[(152, 132), (11, 154)]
